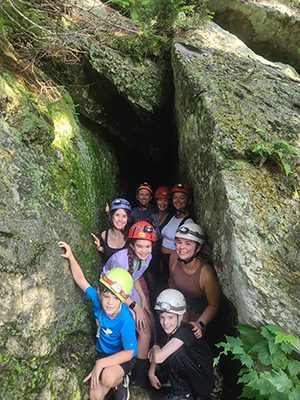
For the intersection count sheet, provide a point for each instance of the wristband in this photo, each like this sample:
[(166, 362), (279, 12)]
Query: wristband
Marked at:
[(202, 325), (132, 305)]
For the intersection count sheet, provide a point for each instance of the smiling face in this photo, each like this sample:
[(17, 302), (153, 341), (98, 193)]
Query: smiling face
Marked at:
[(186, 248), (144, 197), (162, 204), (180, 201), (141, 248), (169, 321), (110, 303), (119, 219)]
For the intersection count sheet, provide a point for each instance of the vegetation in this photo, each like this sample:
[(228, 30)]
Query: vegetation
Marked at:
[(280, 153), (51, 29), (157, 22), (268, 370)]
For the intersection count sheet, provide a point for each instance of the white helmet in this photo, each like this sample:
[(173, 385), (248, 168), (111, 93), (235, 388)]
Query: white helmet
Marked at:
[(171, 300), (191, 231)]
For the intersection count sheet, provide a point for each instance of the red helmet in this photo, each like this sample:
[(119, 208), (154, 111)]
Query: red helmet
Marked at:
[(182, 188), (162, 192), (142, 230)]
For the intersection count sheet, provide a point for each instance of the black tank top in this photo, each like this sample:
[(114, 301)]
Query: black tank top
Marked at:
[(109, 251)]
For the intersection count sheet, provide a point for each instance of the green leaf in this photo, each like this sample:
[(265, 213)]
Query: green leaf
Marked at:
[(294, 394), (273, 347), (246, 360), (262, 351), (282, 337), (281, 381), (249, 335), (250, 376), (287, 348), (264, 384), (278, 396), (294, 368), (279, 361)]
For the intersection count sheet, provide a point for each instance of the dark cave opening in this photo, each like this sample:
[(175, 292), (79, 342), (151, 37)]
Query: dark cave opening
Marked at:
[(158, 164), (137, 162)]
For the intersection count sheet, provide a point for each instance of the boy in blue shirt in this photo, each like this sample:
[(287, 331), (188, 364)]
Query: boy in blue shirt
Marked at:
[(116, 342)]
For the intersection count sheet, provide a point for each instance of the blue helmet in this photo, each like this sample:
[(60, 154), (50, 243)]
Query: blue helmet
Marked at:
[(120, 203)]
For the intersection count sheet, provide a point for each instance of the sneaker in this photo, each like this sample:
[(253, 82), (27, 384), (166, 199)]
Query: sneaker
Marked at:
[(122, 390), (178, 396)]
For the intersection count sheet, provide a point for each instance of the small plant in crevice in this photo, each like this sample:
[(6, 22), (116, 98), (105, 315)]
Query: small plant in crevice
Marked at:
[(157, 22), (282, 154), (268, 372)]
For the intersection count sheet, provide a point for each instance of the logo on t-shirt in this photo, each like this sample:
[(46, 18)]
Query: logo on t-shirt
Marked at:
[(107, 331)]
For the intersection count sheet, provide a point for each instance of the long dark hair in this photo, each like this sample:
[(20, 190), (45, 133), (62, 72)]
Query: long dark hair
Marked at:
[(126, 227), (131, 258)]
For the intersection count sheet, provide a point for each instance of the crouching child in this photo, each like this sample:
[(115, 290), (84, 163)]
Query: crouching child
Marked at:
[(186, 361), (116, 342)]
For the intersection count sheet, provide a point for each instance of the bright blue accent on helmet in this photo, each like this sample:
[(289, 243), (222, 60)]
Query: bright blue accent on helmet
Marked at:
[(120, 203)]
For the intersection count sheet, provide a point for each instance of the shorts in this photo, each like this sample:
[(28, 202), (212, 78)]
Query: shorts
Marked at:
[(126, 366)]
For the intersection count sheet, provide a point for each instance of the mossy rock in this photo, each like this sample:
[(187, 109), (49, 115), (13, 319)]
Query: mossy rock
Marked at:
[(56, 177), (227, 100)]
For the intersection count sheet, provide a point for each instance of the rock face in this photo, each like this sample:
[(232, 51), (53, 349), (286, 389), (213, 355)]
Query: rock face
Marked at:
[(226, 100), (270, 28), (55, 176), (111, 82)]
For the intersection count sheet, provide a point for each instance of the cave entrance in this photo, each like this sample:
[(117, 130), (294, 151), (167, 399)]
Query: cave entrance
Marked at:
[(152, 158)]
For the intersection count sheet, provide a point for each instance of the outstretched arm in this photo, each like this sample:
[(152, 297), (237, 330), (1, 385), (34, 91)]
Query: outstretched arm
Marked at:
[(76, 270)]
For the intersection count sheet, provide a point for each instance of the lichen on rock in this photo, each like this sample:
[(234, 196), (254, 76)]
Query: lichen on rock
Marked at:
[(56, 177), (227, 100)]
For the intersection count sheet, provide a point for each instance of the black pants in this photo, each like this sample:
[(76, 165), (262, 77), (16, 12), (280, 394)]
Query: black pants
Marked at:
[(185, 375)]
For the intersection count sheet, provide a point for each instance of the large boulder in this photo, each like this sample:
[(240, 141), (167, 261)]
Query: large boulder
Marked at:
[(270, 28), (55, 176), (115, 77), (227, 99)]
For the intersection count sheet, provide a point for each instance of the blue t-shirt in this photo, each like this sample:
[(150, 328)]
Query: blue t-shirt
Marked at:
[(113, 335)]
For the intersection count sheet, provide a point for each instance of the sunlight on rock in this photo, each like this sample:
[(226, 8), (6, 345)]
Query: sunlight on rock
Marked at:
[(63, 130)]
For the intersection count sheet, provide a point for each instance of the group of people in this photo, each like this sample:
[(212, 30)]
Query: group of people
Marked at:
[(155, 276)]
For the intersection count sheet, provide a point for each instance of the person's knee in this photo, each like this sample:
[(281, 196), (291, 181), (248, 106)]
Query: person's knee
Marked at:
[(108, 380), (111, 377)]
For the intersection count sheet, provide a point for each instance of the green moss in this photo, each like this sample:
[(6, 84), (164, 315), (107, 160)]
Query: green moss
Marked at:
[(20, 379)]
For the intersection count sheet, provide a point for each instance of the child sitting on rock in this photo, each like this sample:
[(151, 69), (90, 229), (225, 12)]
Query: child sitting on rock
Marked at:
[(186, 361), (116, 343)]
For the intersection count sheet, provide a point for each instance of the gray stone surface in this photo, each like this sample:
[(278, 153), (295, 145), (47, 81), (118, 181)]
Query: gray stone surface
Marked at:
[(270, 27), (226, 100)]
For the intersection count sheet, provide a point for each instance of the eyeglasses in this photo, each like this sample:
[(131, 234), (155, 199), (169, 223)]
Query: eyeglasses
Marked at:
[(185, 230)]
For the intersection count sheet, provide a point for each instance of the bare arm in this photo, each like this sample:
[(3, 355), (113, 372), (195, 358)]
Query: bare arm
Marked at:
[(172, 262), (159, 355), (76, 270), (115, 359), (137, 285), (210, 285)]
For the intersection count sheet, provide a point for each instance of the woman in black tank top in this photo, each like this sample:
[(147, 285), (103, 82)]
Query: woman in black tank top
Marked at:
[(114, 238)]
